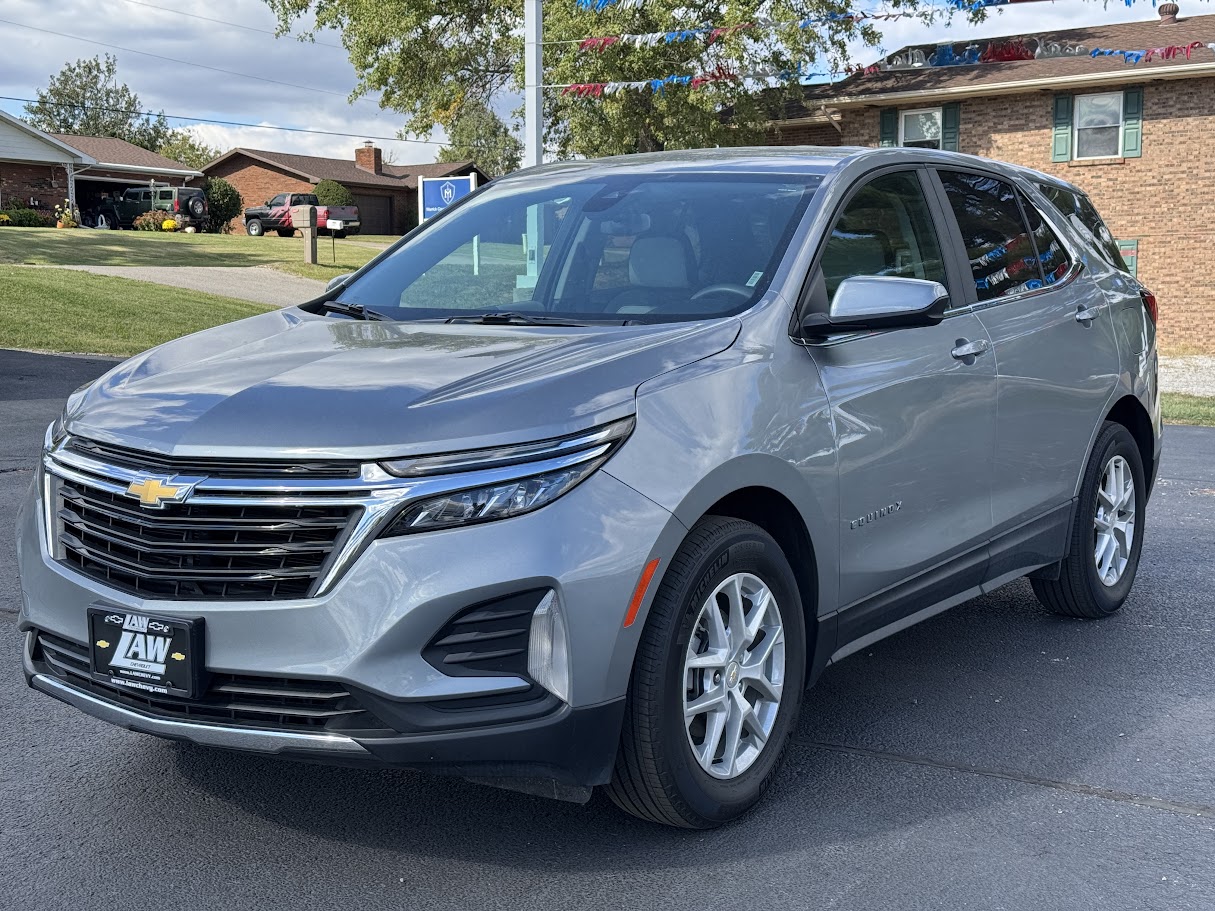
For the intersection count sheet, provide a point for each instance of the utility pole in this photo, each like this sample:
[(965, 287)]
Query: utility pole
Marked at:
[(533, 82)]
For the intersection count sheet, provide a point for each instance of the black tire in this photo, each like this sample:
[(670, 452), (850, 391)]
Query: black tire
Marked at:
[(1079, 591), (285, 232), (339, 234), (253, 227), (197, 207), (656, 776)]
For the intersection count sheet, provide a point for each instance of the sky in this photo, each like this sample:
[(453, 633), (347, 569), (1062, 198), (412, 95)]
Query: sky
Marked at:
[(321, 74)]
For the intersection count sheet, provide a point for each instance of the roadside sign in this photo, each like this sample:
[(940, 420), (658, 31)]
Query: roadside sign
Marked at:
[(437, 193)]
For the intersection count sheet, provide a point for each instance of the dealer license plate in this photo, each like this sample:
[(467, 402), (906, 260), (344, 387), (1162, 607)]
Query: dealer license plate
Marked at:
[(146, 653)]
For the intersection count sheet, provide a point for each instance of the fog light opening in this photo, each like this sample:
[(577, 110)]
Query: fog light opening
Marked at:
[(548, 648)]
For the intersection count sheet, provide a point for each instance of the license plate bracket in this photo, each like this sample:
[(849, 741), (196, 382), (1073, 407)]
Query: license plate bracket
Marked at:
[(146, 653)]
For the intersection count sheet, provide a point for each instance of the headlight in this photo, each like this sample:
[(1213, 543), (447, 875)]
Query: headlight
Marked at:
[(558, 466)]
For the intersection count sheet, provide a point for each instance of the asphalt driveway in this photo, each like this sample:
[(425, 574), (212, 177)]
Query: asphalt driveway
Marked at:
[(995, 757)]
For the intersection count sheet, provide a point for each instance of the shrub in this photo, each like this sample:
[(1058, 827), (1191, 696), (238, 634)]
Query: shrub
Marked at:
[(223, 205), (148, 221), (332, 193), (4, 219), (29, 218)]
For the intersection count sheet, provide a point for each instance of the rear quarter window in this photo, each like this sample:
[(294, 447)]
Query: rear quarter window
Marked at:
[(1082, 215)]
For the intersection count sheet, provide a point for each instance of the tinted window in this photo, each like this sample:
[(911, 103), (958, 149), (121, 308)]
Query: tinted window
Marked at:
[(1083, 217), (1051, 253), (616, 246), (1002, 257), (164, 195), (885, 229), (280, 200)]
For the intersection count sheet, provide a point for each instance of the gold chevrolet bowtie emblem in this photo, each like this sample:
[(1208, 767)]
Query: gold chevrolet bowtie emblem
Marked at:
[(154, 491)]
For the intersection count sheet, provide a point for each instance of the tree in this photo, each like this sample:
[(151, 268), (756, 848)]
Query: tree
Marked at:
[(182, 146), (332, 193), (475, 132), (223, 204), (424, 57), (85, 98)]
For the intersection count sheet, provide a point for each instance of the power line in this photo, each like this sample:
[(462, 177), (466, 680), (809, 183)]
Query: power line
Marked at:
[(225, 123), (214, 69), (248, 28)]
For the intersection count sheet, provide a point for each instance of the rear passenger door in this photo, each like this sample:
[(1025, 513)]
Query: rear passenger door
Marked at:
[(914, 416), (1056, 357)]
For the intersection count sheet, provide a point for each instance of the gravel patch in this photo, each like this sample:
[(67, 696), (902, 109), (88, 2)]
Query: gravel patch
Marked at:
[(1191, 375), (259, 284)]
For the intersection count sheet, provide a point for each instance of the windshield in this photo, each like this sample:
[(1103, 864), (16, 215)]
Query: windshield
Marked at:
[(617, 248)]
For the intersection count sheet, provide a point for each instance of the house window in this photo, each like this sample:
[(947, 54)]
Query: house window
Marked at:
[(1098, 125), (920, 129)]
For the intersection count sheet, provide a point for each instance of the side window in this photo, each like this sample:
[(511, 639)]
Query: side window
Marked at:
[(885, 229), (131, 195), (1002, 257), (145, 195), (1051, 253), (280, 200), (1085, 220), (164, 195)]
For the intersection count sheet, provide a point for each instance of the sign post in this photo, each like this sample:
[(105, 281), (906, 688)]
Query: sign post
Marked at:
[(437, 193)]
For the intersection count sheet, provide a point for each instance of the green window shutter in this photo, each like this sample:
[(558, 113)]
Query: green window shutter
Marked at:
[(888, 127), (1061, 144), (951, 119), (1132, 123)]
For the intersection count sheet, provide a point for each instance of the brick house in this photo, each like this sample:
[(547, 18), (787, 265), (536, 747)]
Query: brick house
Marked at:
[(387, 195), (1139, 139), (40, 170)]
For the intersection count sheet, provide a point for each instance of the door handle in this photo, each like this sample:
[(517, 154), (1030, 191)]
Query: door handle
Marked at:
[(1088, 314), (968, 351)]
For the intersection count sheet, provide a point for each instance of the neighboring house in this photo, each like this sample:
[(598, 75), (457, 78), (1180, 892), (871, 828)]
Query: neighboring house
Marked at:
[(40, 170), (387, 195), (1139, 139)]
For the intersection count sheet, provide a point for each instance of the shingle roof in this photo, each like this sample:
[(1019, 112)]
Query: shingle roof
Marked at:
[(1119, 36), (345, 172), (108, 150)]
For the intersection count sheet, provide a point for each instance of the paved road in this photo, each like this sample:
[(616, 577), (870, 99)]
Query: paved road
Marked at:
[(993, 758), (259, 284)]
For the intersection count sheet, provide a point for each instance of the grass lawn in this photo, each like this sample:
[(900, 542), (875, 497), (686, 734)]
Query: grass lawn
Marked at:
[(1188, 409), (82, 247), (68, 311)]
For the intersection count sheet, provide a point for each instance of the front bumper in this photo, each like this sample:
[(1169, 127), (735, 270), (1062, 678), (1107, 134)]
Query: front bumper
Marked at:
[(575, 747), (368, 634)]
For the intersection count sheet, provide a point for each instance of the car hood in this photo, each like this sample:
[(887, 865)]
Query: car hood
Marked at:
[(292, 383)]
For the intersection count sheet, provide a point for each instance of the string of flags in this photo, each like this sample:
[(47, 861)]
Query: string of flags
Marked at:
[(973, 5), (659, 85), (711, 34)]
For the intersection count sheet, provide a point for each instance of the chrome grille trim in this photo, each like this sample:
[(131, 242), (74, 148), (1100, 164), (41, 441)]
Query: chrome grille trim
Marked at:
[(373, 499)]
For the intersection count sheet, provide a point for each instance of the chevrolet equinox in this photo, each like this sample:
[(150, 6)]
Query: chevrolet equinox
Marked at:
[(585, 481)]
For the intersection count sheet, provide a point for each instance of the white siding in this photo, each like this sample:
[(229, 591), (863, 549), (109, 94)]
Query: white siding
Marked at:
[(17, 145)]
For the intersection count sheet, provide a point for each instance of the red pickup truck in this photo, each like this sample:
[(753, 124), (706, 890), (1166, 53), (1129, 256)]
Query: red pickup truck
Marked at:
[(275, 215)]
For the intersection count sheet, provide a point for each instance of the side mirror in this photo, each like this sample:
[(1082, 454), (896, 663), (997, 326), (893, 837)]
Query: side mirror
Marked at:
[(867, 302), (337, 281)]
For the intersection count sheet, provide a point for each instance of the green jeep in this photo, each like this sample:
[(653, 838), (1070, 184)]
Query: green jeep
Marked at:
[(121, 211)]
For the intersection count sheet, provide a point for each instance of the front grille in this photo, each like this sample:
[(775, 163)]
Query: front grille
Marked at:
[(267, 703), (194, 551), (211, 467)]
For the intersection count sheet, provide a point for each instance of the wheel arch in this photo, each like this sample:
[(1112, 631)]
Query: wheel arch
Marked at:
[(1130, 413)]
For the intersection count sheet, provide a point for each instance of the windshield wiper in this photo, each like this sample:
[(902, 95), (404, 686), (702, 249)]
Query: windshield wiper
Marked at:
[(357, 311), (518, 319)]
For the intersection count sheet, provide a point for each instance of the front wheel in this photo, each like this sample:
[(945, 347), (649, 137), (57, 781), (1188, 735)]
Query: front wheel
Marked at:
[(253, 227), (1107, 534), (717, 681)]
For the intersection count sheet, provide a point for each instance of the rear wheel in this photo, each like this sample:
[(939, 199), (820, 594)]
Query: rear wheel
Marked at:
[(1107, 535), (253, 227), (717, 681), (285, 232)]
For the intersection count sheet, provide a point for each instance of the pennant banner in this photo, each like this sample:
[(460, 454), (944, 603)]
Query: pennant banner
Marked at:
[(657, 86)]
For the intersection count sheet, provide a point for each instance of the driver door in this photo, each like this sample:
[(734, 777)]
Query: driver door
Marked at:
[(914, 416)]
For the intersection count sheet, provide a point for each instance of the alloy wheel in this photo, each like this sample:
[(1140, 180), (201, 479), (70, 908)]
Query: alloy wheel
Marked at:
[(734, 674), (1114, 521)]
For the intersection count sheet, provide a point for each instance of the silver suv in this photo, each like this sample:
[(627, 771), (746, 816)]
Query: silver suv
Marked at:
[(586, 481)]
